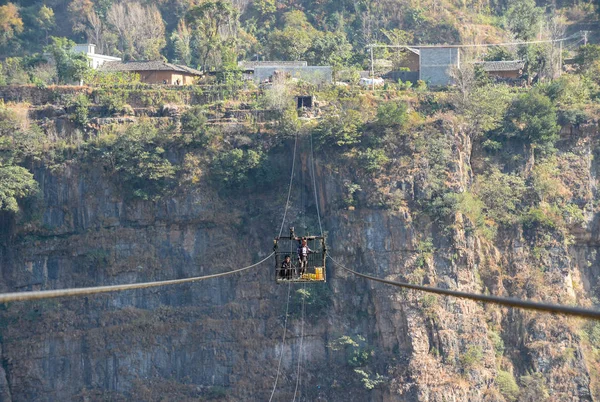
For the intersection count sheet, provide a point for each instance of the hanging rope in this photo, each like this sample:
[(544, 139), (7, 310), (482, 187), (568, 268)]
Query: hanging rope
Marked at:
[(50, 294), (301, 344), (312, 165), (503, 301), (287, 307), (287, 203)]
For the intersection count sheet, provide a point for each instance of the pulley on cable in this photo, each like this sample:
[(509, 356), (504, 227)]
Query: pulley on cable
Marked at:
[(300, 258)]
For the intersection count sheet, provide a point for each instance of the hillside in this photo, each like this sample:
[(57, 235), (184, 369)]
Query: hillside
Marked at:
[(485, 188)]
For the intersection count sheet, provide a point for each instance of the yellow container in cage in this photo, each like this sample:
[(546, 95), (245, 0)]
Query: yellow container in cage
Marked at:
[(319, 274)]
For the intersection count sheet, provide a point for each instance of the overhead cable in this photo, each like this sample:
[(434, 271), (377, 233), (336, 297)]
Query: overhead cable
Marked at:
[(287, 203), (503, 301), (50, 294), (287, 308)]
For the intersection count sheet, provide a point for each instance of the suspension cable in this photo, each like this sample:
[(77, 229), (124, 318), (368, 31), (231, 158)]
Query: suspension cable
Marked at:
[(312, 165), (301, 343), (50, 294), (503, 301), (287, 308), (287, 203)]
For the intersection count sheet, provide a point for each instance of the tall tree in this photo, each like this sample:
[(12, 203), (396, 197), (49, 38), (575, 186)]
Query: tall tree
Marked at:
[(10, 22), (181, 42), (214, 23), (523, 19), (45, 20), (140, 29)]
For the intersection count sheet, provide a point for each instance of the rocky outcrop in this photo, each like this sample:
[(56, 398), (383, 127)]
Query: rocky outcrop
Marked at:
[(222, 338)]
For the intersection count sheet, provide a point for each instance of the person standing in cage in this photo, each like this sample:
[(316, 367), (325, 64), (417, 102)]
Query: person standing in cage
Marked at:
[(303, 252)]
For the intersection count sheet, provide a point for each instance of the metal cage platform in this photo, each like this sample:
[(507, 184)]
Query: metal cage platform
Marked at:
[(315, 266)]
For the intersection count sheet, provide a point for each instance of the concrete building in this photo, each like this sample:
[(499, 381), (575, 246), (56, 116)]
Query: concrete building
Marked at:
[(261, 71), (155, 72), (96, 60), (509, 69), (435, 64)]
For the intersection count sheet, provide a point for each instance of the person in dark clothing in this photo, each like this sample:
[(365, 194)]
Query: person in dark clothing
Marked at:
[(303, 252), (285, 272)]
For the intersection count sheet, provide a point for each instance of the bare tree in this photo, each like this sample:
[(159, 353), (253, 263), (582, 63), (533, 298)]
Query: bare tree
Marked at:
[(140, 29)]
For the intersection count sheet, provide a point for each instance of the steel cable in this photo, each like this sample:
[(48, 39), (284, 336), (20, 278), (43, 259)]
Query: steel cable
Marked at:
[(50, 294), (503, 301)]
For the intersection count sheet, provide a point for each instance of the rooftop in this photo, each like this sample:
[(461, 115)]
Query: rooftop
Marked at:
[(147, 66), (506, 65)]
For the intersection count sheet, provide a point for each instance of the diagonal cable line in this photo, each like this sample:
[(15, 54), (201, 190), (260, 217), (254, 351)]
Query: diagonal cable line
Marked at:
[(503, 301), (50, 294)]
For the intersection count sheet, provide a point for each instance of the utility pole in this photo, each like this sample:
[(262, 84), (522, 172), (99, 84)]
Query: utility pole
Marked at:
[(372, 70), (560, 58)]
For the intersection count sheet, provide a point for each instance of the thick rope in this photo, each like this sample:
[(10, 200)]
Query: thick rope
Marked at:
[(312, 163), (287, 308), (287, 203), (50, 294), (503, 301), (301, 344)]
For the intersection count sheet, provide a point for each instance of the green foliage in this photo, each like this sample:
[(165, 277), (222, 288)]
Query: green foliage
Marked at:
[(373, 160), (193, 121), (340, 130), (139, 161), (358, 352), (532, 118), (473, 208), (507, 385), (587, 56), (368, 380), (471, 358), (497, 341), (16, 183), (317, 300), (80, 108), (533, 388), (502, 194), (232, 168), (486, 106), (104, 79), (498, 53), (70, 66), (523, 18), (392, 114)]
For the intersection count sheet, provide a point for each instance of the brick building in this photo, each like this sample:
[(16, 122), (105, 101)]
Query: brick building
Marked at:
[(155, 72)]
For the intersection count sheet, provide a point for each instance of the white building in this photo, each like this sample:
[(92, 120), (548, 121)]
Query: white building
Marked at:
[(96, 60)]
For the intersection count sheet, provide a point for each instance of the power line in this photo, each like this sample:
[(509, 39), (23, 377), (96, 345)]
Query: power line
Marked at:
[(374, 45), (504, 301), (50, 294)]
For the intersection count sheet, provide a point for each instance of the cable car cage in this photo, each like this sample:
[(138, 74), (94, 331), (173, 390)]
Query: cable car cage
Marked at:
[(288, 246)]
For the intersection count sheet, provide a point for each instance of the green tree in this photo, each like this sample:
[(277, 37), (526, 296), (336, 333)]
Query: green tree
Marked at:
[(233, 167), (523, 18), (208, 20), (16, 183), (10, 22), (392, 114), (507, 385), (70, 66), (340, 130), (587, 55), (330, 49), (532, 118), (295, 39), (181, 43), (45, 20)]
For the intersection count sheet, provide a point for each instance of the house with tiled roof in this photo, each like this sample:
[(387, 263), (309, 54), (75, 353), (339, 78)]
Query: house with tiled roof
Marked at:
[(155, 72), (503, 69)]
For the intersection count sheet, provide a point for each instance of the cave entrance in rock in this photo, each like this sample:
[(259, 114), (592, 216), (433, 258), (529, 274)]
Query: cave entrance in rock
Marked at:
[(290, 266)]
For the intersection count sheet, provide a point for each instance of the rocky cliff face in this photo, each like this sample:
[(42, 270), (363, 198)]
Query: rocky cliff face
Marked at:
[(220, 339)]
